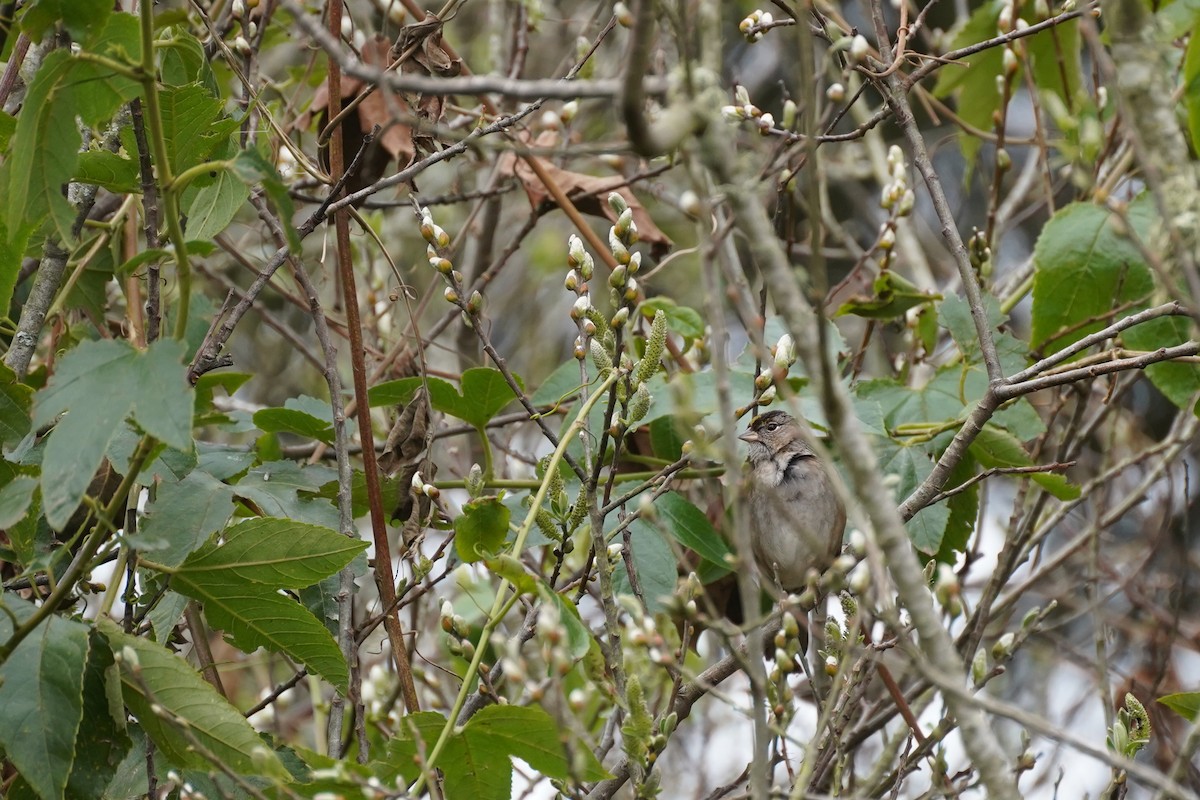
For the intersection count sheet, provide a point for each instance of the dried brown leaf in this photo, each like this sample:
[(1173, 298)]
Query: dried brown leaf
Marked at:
[(589, 193)]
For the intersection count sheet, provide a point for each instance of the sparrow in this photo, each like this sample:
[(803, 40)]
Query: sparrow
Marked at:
[(796, 517)]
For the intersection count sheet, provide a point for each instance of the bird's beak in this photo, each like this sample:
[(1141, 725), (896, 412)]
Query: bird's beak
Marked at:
[(750, 436)]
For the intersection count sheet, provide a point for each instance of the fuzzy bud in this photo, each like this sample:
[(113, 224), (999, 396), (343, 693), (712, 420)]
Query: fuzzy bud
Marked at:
[(575, 251), (836, 92), (620, 318), (571, 284), (859, 47)]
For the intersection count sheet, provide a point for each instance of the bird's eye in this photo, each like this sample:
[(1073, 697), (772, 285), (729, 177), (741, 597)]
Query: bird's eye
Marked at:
[(772, 426)]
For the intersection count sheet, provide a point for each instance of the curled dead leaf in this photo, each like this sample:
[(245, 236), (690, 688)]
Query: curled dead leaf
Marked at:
[(589, 193)]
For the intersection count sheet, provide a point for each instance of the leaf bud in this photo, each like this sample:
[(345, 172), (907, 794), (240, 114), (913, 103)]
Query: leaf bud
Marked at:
[(619, 318), (689, 203), (575, 251), (836, 92), (790, 111), (580, 308), (568, 111), (979, 668), (623, 15), (1003, 647), (618, 276), (631, 290), (571, 283), (617, 203), (241, 46), (475, 303), (635, 263), (619, 250), (763, 380), (451, 295), (474, 481), (888, 240), (1010, 61), (859, 47), (741, 95), (587, 267), (765, 123), (767, 397), (580, 352)]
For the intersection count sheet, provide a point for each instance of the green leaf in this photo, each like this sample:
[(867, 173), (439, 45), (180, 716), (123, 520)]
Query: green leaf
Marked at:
[(182, 517), (512, 570), (1084, 266), (403, 750), (685, 321), (579, 638), (291, 419), (102, 743), (100, 383), (894, 296), (12, 253), (214, 206), (690, 527), (275, 487), (164, 693), (928, 527), (532, 735), (8, 125), (997, 448), (279, 553), (562, 385), (194, 125), (653, 562), (964, 509), (15, 499), (480, 529), (183, 60), (1185, 704), (114, 172), (79, 17), (254, 616), (253, 169), (1054, 54), (15, 401), (41, 692), (46, 141), (1178, 381)]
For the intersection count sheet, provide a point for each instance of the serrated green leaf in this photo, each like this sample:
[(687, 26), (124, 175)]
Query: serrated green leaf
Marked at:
[(400, 391), (41, 692), (183, 59), (214, 206), (102, 743), (690, 527), (194, 125), (153, 678), (279, 553), (100, 383), (417, 734), (1185, 704), (481, 528), (1084, 266), (182, 517), (114, 172), (254, 616)]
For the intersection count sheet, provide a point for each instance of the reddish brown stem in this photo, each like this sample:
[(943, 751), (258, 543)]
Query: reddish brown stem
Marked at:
[(384, 577)]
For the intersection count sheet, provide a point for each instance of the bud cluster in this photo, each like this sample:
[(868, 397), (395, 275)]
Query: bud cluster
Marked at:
[(460, 634), (897, 196), (743, 110), (437, 243), (783, 356), (756, 24)]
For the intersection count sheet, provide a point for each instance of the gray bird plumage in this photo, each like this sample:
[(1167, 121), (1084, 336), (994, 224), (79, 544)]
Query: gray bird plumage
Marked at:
[(797, 519)]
